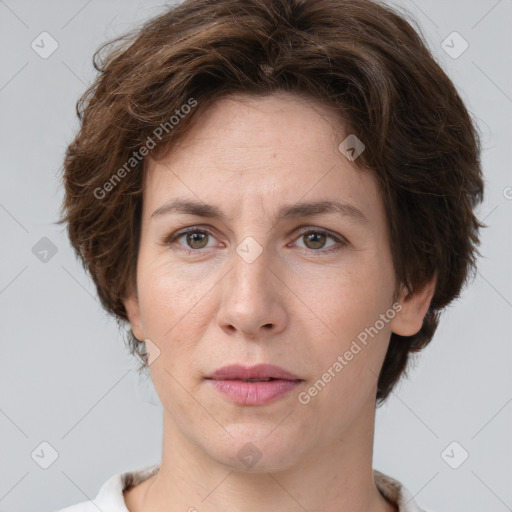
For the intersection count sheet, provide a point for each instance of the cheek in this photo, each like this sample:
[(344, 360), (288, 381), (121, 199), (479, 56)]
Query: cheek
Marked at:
[(175, 313), (168, 295), (351, 298), (347, 359), (354, 308)]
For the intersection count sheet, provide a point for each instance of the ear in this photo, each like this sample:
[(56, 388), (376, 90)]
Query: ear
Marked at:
[(131, 304), (409, 319)]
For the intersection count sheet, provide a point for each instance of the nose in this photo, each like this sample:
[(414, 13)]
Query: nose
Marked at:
[(253, 298)]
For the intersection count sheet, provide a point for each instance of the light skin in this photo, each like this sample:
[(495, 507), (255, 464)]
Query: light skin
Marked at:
[(298, 305)]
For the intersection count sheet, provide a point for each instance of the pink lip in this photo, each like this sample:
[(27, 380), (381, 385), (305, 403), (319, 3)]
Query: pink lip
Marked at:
[(229, 381), (260, 371), (254, 393)]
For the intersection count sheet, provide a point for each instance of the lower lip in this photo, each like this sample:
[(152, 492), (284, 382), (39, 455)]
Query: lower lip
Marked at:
[(254, 393)]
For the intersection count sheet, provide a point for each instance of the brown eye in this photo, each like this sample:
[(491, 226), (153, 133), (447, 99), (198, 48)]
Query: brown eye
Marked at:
[(197, 239), (316, 240), (193, 239)]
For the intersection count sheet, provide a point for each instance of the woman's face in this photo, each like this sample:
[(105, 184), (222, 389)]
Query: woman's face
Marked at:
[(299, 290)]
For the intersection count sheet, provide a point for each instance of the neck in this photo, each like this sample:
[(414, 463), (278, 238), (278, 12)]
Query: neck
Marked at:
[(336, 477)]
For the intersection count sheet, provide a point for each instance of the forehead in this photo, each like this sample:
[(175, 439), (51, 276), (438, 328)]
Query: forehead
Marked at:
[(261, 151), (280, 119)]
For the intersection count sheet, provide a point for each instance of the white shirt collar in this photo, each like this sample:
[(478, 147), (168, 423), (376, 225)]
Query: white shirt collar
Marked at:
[(110, 496)]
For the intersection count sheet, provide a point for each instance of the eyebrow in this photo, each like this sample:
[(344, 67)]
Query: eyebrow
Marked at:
[(293, 211)]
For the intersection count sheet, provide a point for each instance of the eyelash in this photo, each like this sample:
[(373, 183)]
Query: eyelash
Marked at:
[(307, 231)]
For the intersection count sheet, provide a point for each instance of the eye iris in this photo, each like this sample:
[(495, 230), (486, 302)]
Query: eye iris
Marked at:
[(317, 244), (192, 237)]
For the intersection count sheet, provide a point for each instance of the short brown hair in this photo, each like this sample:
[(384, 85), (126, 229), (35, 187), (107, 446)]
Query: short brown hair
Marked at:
[(360, 58)]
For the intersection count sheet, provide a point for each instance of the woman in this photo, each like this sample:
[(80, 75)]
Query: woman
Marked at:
[(278, 196)]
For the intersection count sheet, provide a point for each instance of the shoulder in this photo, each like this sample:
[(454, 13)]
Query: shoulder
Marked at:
[(84, 506), (110, 496), (394, 491)]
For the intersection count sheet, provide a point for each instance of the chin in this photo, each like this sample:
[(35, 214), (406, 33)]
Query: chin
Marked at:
[(257, 449)]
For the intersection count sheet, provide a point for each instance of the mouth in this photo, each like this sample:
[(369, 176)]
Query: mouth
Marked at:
[(256, 385), (254, 380), (258, 373)]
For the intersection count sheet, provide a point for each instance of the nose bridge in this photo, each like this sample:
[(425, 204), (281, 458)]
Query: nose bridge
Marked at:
[(249, 300), (251, 268)]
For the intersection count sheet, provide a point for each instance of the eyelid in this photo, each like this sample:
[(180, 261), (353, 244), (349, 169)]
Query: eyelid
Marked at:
[(175, 236), (325, 231)]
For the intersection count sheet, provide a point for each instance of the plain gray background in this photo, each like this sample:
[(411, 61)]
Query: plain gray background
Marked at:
[(66, 378)]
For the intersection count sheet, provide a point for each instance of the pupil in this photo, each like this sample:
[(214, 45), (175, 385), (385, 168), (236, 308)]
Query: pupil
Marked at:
[(316, 235)]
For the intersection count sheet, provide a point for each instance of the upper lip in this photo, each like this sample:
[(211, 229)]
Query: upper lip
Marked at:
[(260, 371)]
